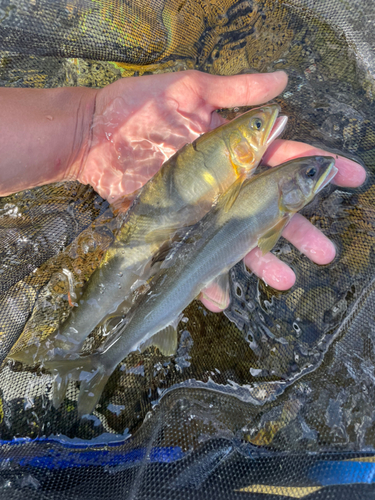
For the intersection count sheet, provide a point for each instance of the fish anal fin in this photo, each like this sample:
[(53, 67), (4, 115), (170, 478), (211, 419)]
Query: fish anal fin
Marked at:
[(165, 340), (270, 238), (217, 291)]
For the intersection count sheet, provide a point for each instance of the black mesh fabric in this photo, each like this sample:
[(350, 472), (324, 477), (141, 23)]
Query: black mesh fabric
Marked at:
[(273, 399)]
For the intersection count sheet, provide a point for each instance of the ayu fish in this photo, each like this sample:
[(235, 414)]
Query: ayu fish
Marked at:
[(251, 212), (177, 196)]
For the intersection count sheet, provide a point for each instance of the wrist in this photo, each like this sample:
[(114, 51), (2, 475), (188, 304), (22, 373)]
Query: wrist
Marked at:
[(81, 139), (45, 135)]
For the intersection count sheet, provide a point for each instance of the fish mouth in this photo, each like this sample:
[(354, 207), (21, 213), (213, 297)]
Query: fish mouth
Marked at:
[(327, 176), (276, 127)]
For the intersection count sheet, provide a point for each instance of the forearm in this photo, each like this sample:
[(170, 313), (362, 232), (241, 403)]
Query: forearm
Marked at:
[(44, 135)]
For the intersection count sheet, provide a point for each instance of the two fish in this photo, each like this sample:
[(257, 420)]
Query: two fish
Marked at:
[(208, 178), (178, 196), (251, 212)]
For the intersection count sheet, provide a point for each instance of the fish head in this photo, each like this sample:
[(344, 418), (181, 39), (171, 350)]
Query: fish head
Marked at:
[(252, 133), (301, 179)]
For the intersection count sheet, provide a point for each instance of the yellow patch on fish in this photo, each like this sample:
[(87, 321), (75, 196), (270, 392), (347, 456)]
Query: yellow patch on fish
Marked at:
[(242, 153), (209, 178)]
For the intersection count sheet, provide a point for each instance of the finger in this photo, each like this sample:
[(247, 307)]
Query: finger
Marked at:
[(211, 306), (217, 120), (267, 267), (241, 90), (209, 296), (270, 269), (350, 173), (309, 240)]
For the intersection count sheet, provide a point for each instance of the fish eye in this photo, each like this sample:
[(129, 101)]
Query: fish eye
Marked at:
[(256, 123), (311, 172)]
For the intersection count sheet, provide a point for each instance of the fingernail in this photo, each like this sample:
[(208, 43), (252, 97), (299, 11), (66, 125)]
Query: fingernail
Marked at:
[(279, 74)]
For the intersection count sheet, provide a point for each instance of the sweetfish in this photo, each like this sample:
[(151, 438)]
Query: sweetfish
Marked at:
[(251, 212), (177, 196)]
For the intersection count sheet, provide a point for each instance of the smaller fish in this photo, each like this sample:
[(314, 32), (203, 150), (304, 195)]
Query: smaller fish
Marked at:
[(252, 212)]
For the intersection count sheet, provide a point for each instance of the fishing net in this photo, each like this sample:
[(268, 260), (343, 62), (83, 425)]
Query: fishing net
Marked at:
[(273, 399)]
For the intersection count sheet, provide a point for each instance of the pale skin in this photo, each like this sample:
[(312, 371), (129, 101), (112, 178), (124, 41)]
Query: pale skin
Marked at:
[(116, 138)]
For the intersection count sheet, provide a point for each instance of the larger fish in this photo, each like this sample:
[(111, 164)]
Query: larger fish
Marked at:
[(252, 212), (177, 196)]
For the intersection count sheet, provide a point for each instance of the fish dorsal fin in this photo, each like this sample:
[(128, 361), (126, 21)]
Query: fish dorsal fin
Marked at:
[(270, 238), (162, 234), (183, 219), (165, 340), (218, 291)]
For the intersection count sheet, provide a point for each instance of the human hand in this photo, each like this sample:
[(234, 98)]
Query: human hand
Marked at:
[(140, 122)]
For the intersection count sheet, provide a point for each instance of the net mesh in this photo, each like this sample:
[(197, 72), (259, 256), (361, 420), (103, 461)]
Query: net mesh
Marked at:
[(274, 398)]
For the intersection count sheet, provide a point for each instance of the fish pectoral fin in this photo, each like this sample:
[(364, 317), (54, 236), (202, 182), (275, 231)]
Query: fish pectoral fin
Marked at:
[(165, 340), (270, 238), (217, 291), (233, 192)]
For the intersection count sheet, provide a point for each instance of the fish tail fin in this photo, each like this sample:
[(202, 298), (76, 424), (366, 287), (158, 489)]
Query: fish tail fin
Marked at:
[(80, 368), (60, 385), (91, 390)]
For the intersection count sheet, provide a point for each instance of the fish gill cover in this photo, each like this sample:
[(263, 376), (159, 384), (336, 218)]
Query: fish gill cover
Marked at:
[(274, 398)]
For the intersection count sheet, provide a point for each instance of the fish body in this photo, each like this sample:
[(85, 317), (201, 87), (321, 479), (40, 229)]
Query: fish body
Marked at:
[(252, 212), (177, 196)]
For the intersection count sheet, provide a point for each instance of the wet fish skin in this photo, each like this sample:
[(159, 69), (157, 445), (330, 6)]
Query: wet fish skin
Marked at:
[(177, 196), (251, 212)]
